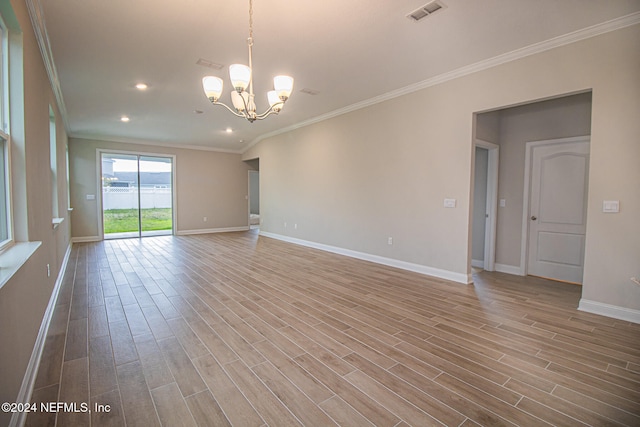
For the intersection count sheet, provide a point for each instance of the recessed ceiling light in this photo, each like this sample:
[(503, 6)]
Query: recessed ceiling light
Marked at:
[(141, 86), (124, 119), (229, 130)]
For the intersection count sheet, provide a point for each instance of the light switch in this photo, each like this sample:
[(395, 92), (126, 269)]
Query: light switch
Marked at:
[(91, 196), (611, 206), (503, 203), (449, 203)]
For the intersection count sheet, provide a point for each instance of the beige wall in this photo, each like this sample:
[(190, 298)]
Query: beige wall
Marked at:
[(208, 184), (488, 126), (24, 298), (353, 180)]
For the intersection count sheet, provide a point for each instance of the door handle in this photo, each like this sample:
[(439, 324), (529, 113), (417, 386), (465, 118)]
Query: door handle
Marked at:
[(533, 218)]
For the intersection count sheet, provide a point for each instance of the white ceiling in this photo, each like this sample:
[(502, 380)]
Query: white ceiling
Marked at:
[(349, 51)]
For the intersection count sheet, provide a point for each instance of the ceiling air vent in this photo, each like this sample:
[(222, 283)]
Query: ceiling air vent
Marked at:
[(210, 64), (310, 91), (426, 10)]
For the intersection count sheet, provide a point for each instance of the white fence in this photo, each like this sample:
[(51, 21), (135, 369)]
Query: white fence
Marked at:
[(127, 198)]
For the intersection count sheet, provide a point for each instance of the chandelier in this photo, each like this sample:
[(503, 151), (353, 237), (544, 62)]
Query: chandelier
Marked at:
[(241, 79)]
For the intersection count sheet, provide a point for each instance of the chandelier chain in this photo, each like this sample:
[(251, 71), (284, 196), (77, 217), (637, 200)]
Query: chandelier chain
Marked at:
[(250, 22)]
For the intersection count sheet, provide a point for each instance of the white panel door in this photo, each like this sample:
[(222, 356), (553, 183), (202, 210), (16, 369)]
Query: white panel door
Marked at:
[(558, 210)]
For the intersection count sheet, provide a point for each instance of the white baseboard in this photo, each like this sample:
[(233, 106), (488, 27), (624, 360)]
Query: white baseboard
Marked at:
[(86, 239), (212, 230), (29, 379), (622, 313), (509, 269), (477, 263), (422, 269)]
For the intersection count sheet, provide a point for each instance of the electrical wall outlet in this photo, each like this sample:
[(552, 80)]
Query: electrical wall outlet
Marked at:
[(449, 203), (390, 241), (611, 206)]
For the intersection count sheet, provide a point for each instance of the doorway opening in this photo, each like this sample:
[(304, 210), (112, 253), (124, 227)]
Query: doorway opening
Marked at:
[(485, 197), (513, 129), (137, 195), (253, 198)]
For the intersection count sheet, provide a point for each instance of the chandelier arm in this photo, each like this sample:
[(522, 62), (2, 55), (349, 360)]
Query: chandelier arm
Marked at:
[(244, 116), (266, 114), (269, 112)]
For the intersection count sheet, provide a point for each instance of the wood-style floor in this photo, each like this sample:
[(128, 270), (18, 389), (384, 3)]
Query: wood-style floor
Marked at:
[(236, 329)]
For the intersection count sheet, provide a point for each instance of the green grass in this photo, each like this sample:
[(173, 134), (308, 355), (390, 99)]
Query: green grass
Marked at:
[(126, 220)]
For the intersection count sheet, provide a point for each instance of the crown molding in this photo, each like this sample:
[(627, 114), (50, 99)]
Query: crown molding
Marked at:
[(100, 138), (36, 13), (566, 39)]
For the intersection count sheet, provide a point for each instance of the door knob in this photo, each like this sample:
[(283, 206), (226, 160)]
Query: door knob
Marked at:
[(533, 218)]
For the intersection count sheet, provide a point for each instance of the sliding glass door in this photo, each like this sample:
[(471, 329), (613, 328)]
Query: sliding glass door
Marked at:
[(137, 195), (156, 212)]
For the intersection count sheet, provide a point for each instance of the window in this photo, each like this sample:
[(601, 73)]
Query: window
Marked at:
[(4, 72), (68, 178), (5, 229), (53, 157), (5, 153)]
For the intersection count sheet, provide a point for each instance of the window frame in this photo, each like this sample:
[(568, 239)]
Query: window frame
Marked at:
[(4, 78), (5, 181), (5, 142), (53, 161)]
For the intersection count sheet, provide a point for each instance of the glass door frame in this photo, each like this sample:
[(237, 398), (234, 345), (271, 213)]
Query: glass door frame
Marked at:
[(100, 211)]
